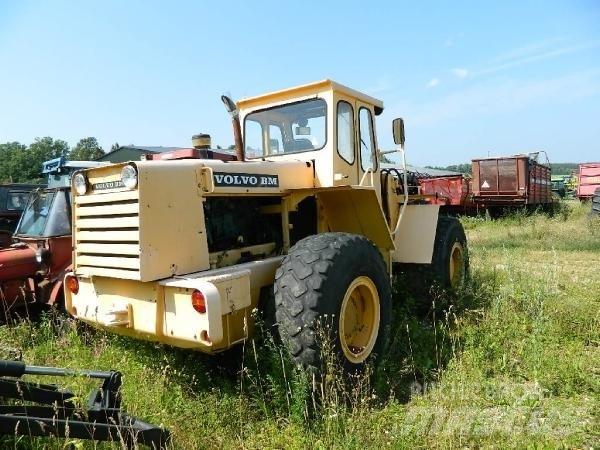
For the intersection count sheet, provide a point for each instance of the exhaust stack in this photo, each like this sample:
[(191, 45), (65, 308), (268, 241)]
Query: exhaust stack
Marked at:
[(237, 129)]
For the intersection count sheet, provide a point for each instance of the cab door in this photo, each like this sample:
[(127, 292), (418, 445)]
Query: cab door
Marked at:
[(345, 157), (368, 166)]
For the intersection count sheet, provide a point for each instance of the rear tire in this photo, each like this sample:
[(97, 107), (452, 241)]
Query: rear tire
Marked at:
[(450, 262), (335, 285)]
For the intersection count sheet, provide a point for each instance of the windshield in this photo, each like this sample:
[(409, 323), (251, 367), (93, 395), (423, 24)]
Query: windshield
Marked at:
[(47, 214), (291, 128)]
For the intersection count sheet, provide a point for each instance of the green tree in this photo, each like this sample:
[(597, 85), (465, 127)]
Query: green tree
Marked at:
[(115, 146), (8, 157), (48, 148), (19, 164), (460, 168), (87, 149)]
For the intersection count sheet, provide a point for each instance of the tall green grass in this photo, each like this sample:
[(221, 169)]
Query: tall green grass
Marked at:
[(511, 361)]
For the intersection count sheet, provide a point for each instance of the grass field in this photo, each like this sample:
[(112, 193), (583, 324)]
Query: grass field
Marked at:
[(513, 361)]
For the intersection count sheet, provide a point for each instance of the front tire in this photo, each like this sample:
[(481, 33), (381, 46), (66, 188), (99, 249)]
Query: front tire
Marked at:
[(339, 280)]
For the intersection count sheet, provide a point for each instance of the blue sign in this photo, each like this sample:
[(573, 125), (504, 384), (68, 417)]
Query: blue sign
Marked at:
[(52, 165)]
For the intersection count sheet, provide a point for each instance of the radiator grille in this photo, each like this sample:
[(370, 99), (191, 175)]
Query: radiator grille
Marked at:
[(107, 235)]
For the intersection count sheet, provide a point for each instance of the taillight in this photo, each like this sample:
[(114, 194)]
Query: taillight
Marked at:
[(199, 301), (72, 284)]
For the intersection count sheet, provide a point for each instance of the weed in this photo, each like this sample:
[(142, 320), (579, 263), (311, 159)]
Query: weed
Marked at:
[(513, 360)]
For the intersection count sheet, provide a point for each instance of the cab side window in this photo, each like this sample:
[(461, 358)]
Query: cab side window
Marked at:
[(345, 131), (253, 139), (367, 142), (275, 140)]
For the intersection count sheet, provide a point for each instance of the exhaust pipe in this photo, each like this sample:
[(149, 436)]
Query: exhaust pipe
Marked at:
[(237, 128)]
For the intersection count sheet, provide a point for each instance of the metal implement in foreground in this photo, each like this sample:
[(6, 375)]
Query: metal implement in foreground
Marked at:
[(55, 413), (304, 225)]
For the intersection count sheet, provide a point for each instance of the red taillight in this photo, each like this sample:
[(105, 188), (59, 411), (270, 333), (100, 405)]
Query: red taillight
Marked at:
[(72, 284), (199, 301)]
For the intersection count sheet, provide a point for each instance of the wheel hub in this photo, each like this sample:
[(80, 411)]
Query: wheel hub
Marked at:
[(359, 319), (457, 265)]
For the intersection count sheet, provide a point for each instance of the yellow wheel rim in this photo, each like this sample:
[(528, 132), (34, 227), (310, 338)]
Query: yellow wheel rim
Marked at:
[(457, 265), (359, 320)]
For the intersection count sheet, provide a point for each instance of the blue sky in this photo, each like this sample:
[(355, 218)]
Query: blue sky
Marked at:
[(470, 78)]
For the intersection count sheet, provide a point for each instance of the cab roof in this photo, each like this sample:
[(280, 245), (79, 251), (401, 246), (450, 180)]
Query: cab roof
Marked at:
[(307, 89)]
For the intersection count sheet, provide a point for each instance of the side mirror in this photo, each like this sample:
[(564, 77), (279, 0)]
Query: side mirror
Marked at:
[(398, 130)]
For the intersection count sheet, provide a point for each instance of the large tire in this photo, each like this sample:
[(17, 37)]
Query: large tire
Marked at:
[(450, 261), (339, 280)]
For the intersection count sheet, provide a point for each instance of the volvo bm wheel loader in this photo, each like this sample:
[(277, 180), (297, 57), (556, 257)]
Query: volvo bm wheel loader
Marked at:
[(303, 225)]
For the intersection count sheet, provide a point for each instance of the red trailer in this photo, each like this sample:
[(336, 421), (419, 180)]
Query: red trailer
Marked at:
[(452, 193), (589, 180), (511, 181)]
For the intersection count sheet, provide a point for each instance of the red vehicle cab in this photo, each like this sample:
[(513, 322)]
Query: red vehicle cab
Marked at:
[(13, 199), (33, 267)]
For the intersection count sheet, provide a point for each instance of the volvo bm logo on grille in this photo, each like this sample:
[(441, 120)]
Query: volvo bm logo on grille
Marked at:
[(108, 185), (245, 180)]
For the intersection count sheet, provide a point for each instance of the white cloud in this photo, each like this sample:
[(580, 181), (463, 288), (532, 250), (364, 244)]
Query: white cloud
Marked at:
[(382, 84), (526, 50), (532, 53), (493, 98), (460, 73), (450, 41), (433, 83)]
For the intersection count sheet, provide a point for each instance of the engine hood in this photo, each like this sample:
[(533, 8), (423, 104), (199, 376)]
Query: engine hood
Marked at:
[(17, 263)]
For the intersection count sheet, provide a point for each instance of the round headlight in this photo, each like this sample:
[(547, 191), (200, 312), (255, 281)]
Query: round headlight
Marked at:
[(129, 177), (80, 184)]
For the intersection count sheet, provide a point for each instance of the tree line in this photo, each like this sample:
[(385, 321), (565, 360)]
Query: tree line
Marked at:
[(21, 163)]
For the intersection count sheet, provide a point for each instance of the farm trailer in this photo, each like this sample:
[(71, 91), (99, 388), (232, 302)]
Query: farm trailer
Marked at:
[(511, 181), (588, 180), (454, 193), (302, 226)]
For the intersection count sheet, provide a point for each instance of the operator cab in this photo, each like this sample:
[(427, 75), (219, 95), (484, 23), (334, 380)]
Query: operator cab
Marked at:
[(324, 123)]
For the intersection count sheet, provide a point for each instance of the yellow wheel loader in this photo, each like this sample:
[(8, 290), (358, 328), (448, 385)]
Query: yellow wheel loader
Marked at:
[(302, 223)]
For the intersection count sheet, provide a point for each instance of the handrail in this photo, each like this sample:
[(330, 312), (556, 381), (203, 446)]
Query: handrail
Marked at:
[(405, 182), (370, 170)]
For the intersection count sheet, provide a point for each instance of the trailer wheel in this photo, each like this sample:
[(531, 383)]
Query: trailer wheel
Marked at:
[(596, 203), (333, 286), (450, 262)]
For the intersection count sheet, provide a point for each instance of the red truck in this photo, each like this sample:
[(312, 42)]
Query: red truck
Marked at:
[(588, 180), (33, 267)]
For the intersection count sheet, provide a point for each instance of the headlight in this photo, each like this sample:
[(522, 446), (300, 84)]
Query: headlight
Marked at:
[(38, 256), (80, 184), (129, 176)]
